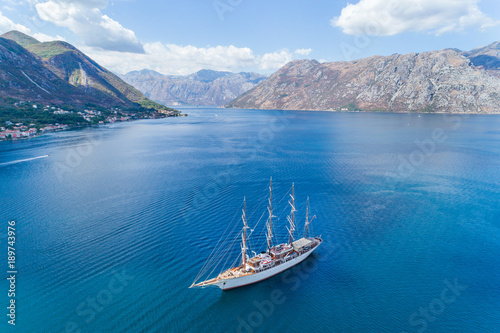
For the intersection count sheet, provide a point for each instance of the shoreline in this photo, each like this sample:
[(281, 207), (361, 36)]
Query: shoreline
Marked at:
[(68, 128), (369, 111), (39, 134)]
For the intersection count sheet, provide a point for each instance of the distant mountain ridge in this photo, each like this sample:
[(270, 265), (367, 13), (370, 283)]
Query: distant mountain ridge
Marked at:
[(57, 72), (205, 87), (487, 57), (449, 80)]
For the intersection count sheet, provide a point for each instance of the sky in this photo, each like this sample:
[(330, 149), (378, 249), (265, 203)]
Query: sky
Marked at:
[(179, 37)]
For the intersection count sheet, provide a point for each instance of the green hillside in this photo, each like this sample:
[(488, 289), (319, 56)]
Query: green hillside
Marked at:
[(20, 38), (96, 85)]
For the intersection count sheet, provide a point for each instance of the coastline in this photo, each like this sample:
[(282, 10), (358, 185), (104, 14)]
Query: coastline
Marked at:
[(67, 127), (371, 111), (64, 127)]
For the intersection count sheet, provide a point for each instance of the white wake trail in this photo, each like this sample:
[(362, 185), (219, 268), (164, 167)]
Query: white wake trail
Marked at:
[(24, 160)]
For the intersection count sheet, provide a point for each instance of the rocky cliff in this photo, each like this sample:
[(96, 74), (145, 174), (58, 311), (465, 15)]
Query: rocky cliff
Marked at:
[(437, 81)]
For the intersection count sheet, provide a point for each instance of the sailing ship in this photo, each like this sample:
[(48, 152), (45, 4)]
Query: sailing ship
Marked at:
[(276, 258)]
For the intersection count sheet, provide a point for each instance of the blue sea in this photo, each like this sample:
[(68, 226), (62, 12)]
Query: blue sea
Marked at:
[(115, 224)]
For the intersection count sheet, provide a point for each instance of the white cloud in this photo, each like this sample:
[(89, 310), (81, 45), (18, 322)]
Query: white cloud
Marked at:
[(46, 38), (6, 24), (118, 49), (85, 19), (275, 60), (181, 60), (303, 52), (391, 17)]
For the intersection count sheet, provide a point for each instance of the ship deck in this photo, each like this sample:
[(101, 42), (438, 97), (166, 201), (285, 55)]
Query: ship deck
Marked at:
[(303, 245)]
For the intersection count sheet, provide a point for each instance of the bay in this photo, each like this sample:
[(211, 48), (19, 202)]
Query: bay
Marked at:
[(125, 215)]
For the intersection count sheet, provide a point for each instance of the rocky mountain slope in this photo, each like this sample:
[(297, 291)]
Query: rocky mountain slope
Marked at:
[(205, 87), (487, 57), (57, 72), (23, 76), (437, 81)]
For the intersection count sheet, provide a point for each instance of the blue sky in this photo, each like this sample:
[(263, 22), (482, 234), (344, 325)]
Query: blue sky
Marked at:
[(183, 36)]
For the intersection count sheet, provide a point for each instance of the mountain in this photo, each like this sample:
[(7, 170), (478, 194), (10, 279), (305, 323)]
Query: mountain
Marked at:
[(438, 81), (20, 38), (205, 87), (487, 57), (24, 76), (59, 73)]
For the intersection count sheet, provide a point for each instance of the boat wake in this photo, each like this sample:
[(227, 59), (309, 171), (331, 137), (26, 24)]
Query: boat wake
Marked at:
[(24, 160)]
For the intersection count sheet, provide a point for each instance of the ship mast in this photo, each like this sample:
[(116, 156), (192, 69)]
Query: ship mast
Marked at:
[(291, 217), (269, 235), (307, 217), (244, 235)]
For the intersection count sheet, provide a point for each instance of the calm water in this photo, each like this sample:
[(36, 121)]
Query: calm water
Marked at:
[(114, 225)]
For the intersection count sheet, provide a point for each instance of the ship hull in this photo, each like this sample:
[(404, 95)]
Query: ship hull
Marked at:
[(227, 284)]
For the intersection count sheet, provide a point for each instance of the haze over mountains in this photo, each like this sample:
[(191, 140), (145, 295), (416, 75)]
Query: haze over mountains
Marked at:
[(438, 81), (56, 72), (205, 87)]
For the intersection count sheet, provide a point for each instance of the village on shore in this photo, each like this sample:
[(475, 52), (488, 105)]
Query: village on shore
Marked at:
[(11, 130)]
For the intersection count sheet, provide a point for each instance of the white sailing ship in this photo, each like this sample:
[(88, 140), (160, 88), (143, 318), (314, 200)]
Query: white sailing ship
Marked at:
[(276, 258)]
